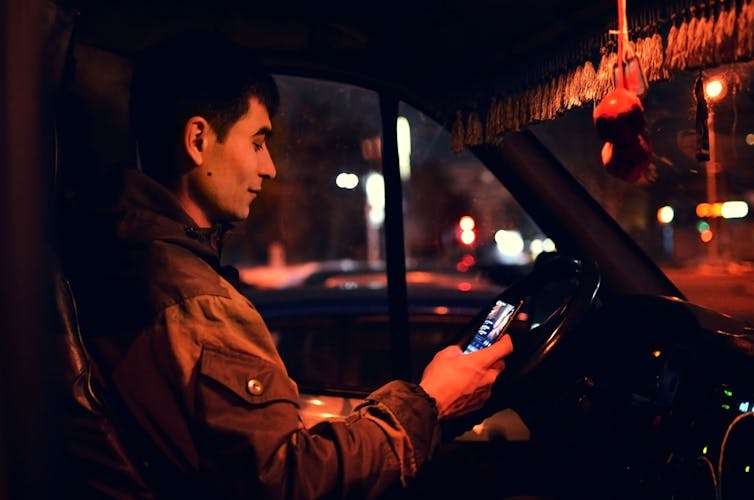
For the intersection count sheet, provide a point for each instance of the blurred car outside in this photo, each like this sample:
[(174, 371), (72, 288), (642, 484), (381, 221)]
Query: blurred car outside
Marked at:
[(353, 274)]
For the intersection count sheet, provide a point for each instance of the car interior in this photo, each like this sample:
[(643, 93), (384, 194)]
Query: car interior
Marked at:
[(634, 340)]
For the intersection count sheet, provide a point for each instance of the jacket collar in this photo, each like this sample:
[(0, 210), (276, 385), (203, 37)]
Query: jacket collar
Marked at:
[(149, 212)]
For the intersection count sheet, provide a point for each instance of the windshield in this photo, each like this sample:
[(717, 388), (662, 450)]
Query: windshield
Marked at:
[(692, 215)]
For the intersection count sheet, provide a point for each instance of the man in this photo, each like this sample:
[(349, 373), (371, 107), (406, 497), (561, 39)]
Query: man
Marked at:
[(204, 398)]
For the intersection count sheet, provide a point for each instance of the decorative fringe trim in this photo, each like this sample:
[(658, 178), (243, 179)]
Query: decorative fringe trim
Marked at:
[(696, 37)]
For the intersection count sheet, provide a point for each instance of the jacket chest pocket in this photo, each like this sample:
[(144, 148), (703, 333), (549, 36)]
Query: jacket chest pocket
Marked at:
[(250, 378)]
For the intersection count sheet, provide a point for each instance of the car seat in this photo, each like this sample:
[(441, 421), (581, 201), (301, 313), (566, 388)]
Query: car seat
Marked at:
[(87, 450), (94, 458)]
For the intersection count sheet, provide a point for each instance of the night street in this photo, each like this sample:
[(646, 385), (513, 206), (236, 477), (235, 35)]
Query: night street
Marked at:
[(729, 290)]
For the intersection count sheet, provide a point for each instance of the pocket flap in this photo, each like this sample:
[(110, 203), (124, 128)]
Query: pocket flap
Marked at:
[(254, 379)]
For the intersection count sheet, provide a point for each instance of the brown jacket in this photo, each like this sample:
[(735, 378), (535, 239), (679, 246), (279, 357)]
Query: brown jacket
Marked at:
[(199, 377)]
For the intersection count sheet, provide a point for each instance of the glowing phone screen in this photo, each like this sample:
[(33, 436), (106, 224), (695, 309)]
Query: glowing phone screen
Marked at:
[(493, 327)]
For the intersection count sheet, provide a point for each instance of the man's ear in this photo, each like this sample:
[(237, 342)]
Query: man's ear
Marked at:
[(196, 135)]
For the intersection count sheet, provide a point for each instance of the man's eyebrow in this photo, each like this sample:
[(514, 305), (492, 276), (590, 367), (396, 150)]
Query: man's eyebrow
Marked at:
[(265, 131)]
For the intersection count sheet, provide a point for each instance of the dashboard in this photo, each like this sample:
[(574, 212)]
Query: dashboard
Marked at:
[(660, 399)]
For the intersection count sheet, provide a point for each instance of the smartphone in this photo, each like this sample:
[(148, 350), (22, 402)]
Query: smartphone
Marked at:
[(494, 325)]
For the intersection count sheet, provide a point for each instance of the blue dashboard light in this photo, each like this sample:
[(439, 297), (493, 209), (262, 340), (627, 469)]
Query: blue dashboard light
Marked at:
[(744, 406)]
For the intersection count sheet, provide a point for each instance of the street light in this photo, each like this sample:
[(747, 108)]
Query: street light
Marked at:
[(665, 216), (714, 90), (374, 186)]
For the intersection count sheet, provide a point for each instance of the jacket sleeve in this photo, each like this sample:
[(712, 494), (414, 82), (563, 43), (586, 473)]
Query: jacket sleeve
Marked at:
[(250, 437)]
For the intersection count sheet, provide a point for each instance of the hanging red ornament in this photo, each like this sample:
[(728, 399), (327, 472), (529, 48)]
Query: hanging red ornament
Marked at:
[(619, 117), (627, 160)]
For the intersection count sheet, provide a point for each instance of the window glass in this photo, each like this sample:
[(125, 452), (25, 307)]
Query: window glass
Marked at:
[(458, 216)]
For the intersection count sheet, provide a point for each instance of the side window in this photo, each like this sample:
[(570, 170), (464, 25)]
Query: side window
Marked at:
[(458, 215), (461, 224)]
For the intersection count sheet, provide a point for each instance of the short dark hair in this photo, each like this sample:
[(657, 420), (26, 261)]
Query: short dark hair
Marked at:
[(191, 74)]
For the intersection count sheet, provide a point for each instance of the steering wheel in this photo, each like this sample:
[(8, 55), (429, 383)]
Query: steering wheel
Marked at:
[(571, 282), (567, 288)]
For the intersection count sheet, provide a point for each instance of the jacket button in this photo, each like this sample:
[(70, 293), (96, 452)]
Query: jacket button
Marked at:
[(254, 387)]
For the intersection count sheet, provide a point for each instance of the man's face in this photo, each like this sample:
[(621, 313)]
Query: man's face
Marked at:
[(231, 173)]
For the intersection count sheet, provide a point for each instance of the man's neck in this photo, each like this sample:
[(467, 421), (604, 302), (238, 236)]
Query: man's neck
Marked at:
[(180, 191)]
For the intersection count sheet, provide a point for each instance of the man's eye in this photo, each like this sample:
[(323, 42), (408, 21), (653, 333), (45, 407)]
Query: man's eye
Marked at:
[(258, 147)]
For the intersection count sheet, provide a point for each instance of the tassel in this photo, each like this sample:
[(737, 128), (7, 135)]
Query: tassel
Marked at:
[(490, 130), (648, 58), (662, 70), (457, 135), (509, 113), (537, 99), (692, 43), (523, 108), (574, 88), (560, 84), (671, 47), (552, 88), (527, 107), (749, 9), (704, 33), (494, 125), (589, 77), (474, 133), (726, 36), (532, 110), (544, 103), (641, 53), (605, 74), (744, 39), (681, 43), (517, 112), (500, 116)]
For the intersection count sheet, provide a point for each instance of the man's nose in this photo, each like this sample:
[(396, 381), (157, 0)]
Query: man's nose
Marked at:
[(266, 165)]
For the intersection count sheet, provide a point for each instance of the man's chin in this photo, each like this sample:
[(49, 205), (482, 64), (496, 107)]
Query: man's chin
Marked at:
[(237, 218), (240, 216), (230, 218)]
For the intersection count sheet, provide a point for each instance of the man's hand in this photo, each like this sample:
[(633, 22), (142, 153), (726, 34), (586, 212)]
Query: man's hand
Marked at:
[(462, 383)]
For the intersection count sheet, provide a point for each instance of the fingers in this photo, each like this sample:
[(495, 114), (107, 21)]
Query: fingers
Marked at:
[(491, 373), (449, 352), (495, 352), (452, 351), (498, 365)]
